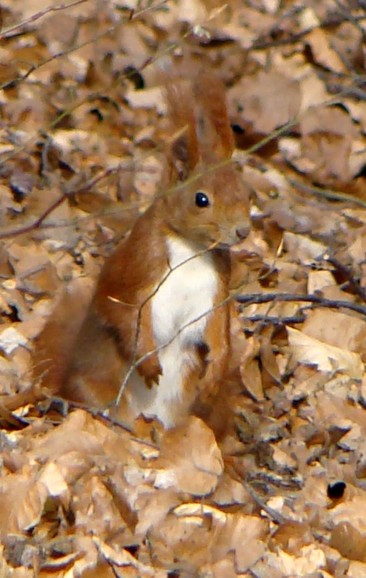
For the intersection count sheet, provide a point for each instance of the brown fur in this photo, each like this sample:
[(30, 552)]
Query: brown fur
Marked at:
[(117, 328)]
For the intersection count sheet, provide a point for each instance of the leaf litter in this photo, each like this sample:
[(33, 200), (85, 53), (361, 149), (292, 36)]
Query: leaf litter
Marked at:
[(82, 154)]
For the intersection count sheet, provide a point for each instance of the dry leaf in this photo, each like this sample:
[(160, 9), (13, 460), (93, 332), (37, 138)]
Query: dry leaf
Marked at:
[(322, 51), (324, 324), (309, 351), (268, 100), (190, 460), (83, 118)]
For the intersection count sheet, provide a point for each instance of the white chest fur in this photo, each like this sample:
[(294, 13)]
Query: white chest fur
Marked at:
[(180, 305), (180, 309)]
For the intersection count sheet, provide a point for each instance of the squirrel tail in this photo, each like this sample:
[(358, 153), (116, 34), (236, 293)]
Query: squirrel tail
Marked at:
[(53, 348)]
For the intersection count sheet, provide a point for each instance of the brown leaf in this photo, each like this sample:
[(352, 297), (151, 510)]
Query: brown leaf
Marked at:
[(349, 541), (322, 51), (190, 460), (268, 99), (249, 369), (310, 351)]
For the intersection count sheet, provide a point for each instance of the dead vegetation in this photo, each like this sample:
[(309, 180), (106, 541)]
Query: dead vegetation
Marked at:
[(82, 152)]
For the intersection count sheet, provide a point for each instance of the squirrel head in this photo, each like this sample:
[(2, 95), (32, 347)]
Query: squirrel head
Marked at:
[(210, 201), (212, 210)]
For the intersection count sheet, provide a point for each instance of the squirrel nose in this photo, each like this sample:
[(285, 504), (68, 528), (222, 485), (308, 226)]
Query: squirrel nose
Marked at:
[(242, 232)]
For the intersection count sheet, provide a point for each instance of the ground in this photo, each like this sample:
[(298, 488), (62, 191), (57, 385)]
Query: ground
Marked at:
[(82, 152)]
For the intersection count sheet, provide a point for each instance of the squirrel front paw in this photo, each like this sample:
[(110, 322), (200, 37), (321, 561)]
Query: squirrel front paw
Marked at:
[(150, 369)]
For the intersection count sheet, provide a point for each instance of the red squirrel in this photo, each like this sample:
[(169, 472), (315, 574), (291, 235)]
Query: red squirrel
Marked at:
[(161, 303)]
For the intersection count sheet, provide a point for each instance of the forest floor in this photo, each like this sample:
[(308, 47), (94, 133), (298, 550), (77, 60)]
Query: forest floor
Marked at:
[(83, 126)]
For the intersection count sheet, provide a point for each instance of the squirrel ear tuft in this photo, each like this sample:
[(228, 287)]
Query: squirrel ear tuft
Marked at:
[(216, 134), (199, 122), (180, 157), (184, 150)]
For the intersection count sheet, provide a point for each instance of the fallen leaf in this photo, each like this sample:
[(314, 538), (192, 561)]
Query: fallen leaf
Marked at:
[(190, 460), (310, 351)]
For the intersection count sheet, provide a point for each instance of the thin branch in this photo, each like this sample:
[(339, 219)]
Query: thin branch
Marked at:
[(133, 15), (95, 411), (39, 221), (34, 67), (262, 43), (274, 320), (35, 395), (148, 354), (9, 32), (154, 292), (273, 514), (327, 193), (258, 298), (347, 274)]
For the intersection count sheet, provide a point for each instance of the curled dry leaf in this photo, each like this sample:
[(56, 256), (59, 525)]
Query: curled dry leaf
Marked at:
[(318, 280), (148, 98), (243, 535), (310, 351), (10, 339), (322, 51), (95, 510), (79, 432), (309, 559), (336, 412), (53, 480), (324, 324), (248, 550), (327, 148), (352, 513), (292, 535), (83, 114), (123, 559), (335, 149), (230, 492), (249, 369), (22, 500), (153, 506), (190, 460)]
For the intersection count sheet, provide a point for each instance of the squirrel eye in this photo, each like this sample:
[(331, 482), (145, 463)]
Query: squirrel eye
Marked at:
[(202, 199)]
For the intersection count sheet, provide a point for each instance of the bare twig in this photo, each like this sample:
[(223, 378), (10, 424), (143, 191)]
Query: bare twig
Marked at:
[(258, 298), (134, 14), (17, 28), (272, 320), (327, 193), (66, 52), (262, 43), (90, 97), (40, 220), (153, 293), (148, 354), (347, 274), (273, 514)]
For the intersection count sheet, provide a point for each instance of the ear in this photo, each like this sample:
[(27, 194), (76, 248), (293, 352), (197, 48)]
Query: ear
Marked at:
[(217, 135), (184, 148), (181, 157)]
